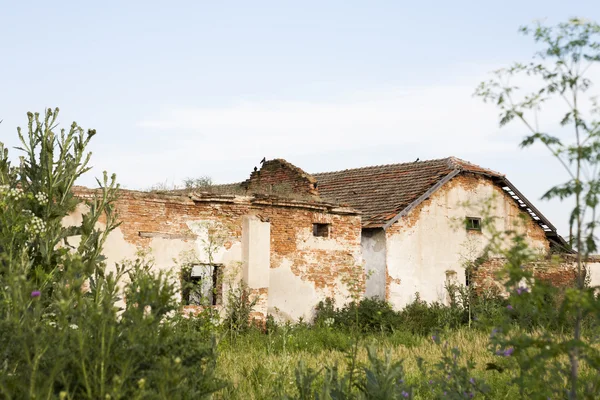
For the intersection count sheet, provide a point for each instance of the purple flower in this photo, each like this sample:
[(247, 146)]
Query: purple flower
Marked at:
[(430, 382), (472, 380), (521, 290), (509, 307), (434, 338), (404, 394), (36, 293), (508, 352)]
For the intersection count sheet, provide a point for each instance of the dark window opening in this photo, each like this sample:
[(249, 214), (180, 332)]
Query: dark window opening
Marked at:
[(321, 230), (473, 224), (468, 277), (201, 285)]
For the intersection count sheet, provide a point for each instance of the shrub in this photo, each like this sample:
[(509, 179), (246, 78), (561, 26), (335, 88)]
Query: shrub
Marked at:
[(62, 334), (239, 309), (369, 315)]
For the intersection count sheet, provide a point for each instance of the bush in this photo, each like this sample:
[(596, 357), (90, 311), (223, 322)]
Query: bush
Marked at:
[(61, 332), (370, 315)]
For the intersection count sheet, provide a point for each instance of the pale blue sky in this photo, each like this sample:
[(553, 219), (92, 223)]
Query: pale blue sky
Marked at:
[(178, 89)]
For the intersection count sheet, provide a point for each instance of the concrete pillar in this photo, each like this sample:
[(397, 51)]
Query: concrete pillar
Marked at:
[(256, 260)]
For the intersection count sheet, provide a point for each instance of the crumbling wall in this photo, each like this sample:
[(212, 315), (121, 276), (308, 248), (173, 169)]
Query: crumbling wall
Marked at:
[(430, 246), (560, 271), (373, 243), (303, 269), (283, 178)]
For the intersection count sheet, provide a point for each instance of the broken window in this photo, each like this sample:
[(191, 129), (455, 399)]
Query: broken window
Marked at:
[(473, 224), (321, 230), (201, 285)]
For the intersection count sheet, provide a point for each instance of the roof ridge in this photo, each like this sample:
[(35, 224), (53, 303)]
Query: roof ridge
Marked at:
[(459, 163), (392, 165)]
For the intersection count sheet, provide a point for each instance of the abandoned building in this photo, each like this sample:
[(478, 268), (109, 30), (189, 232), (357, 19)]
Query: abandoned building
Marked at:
[(294, 238)]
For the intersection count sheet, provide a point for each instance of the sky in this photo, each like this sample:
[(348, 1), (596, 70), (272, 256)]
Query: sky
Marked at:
[(203, 88)]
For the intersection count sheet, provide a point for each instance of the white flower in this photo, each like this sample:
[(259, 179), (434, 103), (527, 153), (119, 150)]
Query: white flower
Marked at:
[(36, 225), (14, 193), (42, 198)]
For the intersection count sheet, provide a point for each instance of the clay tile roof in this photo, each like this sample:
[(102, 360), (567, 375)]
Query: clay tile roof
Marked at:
[(383, 191)]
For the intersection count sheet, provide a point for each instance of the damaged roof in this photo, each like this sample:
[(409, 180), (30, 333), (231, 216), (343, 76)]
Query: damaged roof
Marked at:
[(384, 193)]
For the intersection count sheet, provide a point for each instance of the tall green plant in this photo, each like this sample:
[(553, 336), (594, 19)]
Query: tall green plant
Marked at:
[(568, 52), (61, 331)]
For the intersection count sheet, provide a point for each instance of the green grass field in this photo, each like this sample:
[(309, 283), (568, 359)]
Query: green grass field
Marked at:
[(256, 364)]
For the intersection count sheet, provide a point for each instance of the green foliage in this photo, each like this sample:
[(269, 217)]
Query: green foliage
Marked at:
[(368, 315), (62, 332), (452, 377), (546, 364), (372, 315), (198, 183), (238, 310)]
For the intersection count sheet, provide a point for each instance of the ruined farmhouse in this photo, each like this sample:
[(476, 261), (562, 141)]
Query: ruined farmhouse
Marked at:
[(296, 238)]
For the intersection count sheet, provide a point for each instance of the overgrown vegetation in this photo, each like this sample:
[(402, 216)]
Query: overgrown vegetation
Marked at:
[(65, 331), (72, 327)]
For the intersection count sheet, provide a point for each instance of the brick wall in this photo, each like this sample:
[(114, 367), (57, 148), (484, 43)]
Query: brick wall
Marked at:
[(149, 217), (560, 272), (280, 177)]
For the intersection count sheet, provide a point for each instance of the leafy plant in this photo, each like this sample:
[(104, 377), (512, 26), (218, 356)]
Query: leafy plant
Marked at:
[(569, 50), (69, 326)]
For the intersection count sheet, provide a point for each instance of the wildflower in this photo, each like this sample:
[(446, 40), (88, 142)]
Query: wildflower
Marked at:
[(36, 293), (434, 338), (141, 383), (472, 380), (521, 290), (508, 352), (42, 198), (509, 307), (430, 382), (177, 360), (404, 394)]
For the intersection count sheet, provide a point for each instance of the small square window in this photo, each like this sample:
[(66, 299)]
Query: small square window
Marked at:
[(321, 230), (473, 224), (202, 285)]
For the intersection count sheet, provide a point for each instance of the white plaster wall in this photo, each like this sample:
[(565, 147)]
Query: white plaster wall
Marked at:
[(374, 255), (256, 249), (168, 253), (290, 296), (594, 269), (420, 253)]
